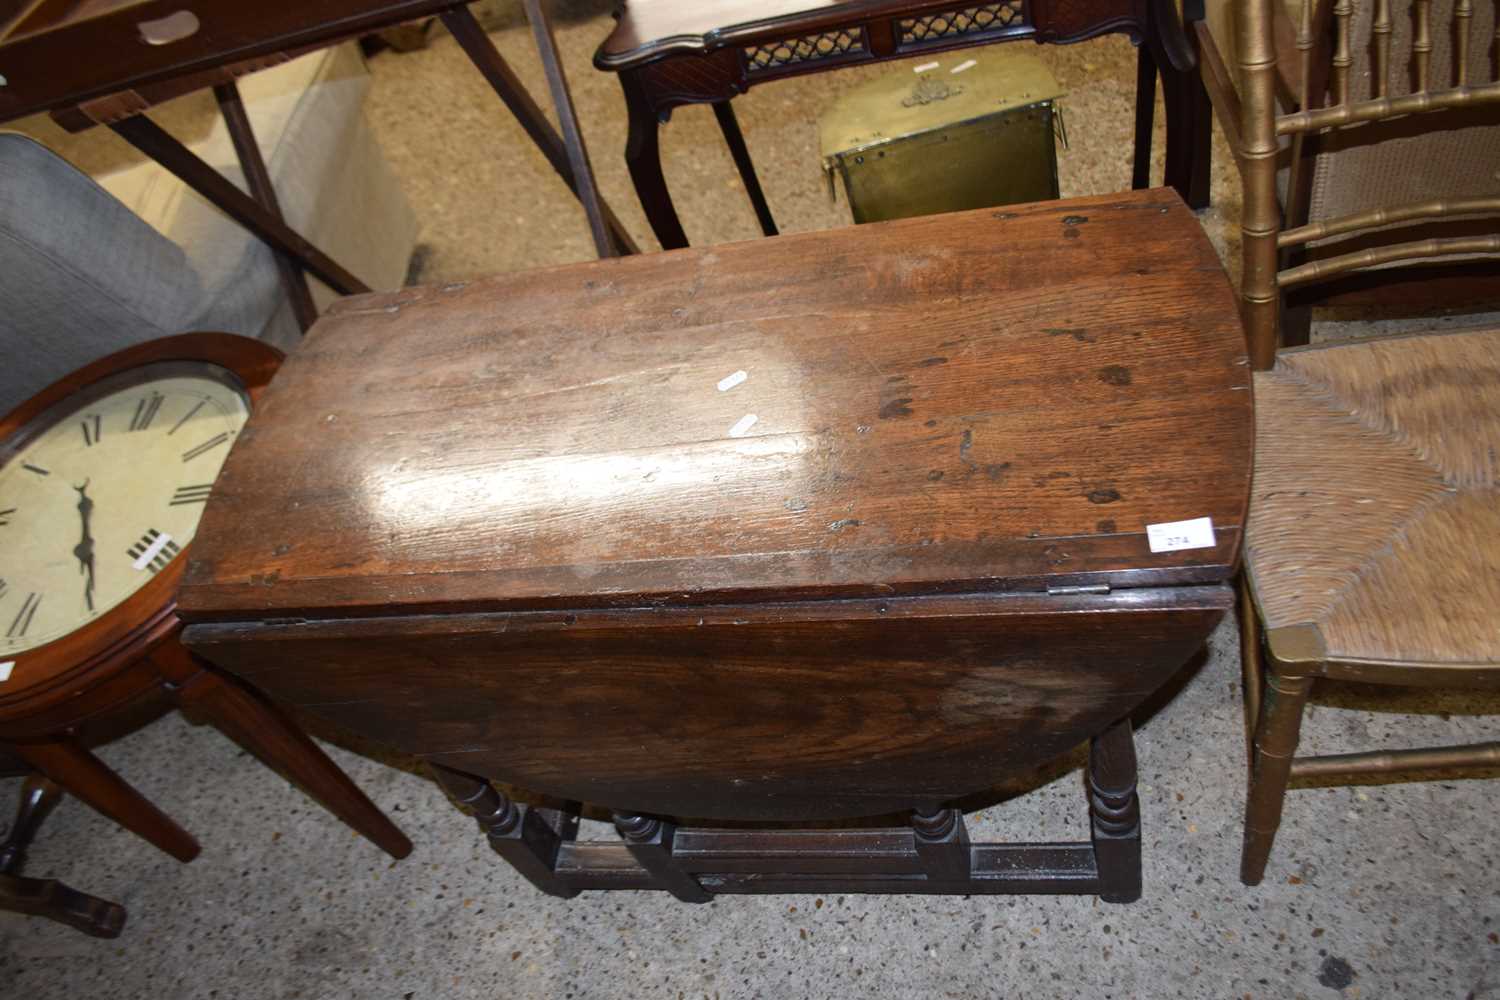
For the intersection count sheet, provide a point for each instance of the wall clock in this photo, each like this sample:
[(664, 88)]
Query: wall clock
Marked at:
[(102, 490), (103, 477)]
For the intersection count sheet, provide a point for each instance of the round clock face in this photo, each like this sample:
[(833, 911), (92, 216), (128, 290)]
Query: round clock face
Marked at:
[(101, 492)]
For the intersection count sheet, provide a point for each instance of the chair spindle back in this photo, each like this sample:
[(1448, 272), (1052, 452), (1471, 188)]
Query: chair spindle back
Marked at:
[(1261, 127)]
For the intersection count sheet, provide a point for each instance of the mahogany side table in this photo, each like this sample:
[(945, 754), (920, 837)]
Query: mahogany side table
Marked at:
[(833, 525), (674, 52)]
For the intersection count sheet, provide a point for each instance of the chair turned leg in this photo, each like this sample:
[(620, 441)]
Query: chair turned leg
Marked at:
[(1115, 813), (643, 158), (649, 841), (519, 835), (260, 727), (89, 780), (1278, 726), (46, 897)]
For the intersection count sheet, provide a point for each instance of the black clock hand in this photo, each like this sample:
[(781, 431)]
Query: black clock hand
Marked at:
[(84, 550)]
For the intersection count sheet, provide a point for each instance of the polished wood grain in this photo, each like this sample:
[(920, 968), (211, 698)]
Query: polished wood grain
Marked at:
[(997, 400), (819, 709), (825, 526)]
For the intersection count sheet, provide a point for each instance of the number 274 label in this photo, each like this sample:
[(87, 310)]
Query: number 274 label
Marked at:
[(1197, 533)]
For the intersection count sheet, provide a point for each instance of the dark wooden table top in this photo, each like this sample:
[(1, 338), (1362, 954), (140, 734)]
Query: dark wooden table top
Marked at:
[(648, 26), (648, 29), (59, 53), (986, 400)]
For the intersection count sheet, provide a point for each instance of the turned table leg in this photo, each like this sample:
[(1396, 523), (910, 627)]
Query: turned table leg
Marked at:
[(1115, 813), (518, 834), (649, 840), (942, 842)]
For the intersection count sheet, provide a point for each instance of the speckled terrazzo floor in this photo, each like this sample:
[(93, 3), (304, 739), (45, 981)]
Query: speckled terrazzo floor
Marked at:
[(1382, 891)]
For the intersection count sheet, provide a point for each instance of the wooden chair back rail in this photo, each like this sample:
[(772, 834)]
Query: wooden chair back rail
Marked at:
[(1256, 140), (1410, 212), (1381, 108), (1328, 267)]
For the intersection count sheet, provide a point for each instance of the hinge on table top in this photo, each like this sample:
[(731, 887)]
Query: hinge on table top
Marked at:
[(1087, 588)]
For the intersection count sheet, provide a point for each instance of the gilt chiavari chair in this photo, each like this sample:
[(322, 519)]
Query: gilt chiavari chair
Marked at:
[(1372, 552)]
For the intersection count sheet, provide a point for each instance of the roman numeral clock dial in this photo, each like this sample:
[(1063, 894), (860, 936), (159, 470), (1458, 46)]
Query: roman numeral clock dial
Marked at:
[(98, 500)]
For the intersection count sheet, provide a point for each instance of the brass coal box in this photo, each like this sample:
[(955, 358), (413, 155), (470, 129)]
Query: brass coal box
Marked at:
[(964, 131)]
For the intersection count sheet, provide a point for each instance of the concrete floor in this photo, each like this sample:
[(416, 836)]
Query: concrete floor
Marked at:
[(1383, 891)]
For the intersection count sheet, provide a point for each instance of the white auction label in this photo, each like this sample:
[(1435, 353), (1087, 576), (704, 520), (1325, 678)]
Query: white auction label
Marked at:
[(1195, 534)]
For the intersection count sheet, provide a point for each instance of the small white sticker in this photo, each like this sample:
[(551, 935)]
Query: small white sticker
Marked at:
[(742, 428), (5, 669), (152, 551), (966, 64), (924, 67), (730, 381), (1195, 534)]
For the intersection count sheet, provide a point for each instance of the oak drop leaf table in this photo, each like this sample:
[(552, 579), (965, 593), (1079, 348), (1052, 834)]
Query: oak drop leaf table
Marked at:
[(833, 525)]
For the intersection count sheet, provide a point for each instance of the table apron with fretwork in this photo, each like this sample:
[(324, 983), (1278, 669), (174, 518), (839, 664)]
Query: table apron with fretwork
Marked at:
[(663, 73)]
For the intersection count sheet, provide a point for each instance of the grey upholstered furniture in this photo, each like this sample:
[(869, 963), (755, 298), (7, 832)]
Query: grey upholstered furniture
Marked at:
[(89, 265)]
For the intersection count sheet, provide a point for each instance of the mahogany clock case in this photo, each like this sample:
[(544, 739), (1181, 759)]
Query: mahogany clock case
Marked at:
[(101, 666)]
